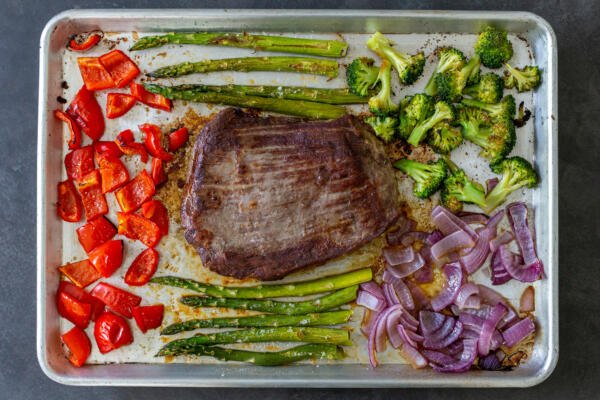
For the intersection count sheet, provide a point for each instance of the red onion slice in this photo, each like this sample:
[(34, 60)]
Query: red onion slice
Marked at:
[(473, 218), (373, 340), (397, 255), (404, 270), (390, 295), (527, 302), (488, 327), (437, 357), (403, 336), (475, 258), (473, 302), (454, 277), (490, 296), (434, 237), (524, 273), (412, 237), (441, 333), (449, 223), (517, 215), (466, 360), (504, 238), (370, 301), (500, 259), (430, 322), (409, 322), (451, 243), (495, 220), (368, 322), (518, 332), (491, 184), (413, 356), (466, 291), (447, 340), (373, 288), (424, 275), (391, 325), (413, 335), (490, 362), (404, 225), (419, 297)]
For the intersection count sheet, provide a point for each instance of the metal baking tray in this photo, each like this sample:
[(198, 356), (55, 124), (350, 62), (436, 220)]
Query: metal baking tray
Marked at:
[(534, 41)]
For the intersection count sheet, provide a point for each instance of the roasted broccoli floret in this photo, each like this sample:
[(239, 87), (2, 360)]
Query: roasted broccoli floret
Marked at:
[(384, 127), (443, 138), (505, 109), (428, 177), (413, 109), (493, 47), (361, 75), (408, 67), (450, 84), (496, 138), (458, 188), (442, 112), (382, 103), (449, 59), (516, 173), (489, 89), (524, 79)]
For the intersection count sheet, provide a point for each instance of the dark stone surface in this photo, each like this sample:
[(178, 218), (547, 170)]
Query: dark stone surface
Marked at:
[(578, 30)]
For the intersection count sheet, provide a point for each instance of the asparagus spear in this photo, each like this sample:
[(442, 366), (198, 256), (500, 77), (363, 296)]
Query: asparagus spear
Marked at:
[(316, 47), (319, 95), (265, 320), (255, 335), (305, 288), (298, 353), (306, 65), (320, 304), (299, 108)]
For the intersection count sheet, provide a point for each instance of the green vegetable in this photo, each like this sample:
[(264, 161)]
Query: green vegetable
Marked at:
[(524, 79), (516, 173), (382, 103), (263, 320), (450, 84), (428, 177), (305, 288), (315, 47), (308, 109), (414, 110), (384, 127), (442, 112), (493, 47), (256, 335), (458, 188), (443, 137), (323, 303), (361, 76), (505, 109), (305, 65), (408, 67), (488, 90), (449, 59), (267, 359)]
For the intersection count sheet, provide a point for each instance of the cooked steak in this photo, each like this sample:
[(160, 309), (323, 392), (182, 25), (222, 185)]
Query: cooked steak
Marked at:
[(269, 195)]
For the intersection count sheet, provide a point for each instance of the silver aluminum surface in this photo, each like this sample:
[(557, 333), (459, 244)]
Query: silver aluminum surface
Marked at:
[(409, 27)]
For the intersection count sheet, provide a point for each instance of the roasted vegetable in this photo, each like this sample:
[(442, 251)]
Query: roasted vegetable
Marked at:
[(428, 177), (489, 89), (382, 103), (524, 79), (516, 173), (458, 188), (413, 110), (505, 109), (361, 75), (409, 67), (450, 84), (442, 112), (449, 59), (443, 137), (384, 127), (493, 47)]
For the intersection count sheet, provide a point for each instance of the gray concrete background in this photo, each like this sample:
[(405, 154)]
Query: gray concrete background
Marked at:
[(578, 30)]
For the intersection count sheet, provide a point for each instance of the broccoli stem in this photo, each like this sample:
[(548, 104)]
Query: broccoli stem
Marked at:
[(470, 194), (315, 47)]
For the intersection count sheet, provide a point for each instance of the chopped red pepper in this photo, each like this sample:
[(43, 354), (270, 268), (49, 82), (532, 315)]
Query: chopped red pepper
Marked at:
[(86, 111), (107, 257), (118, 300), (79, 163), (148, 317), (112, 171), (136, 192), (95, 76), (94, 201), (74, 141), (74, 310), (118, 104), (178, 138), (111, 332), (95, 233), (69, 206), (81, 273), (120, 67), (142, 268), (156, 212), (83, 296), (107, 148), (139, 228), (150, 99), (89, 41), (158, 172), (79, 346), (126, 143), (153, 140)]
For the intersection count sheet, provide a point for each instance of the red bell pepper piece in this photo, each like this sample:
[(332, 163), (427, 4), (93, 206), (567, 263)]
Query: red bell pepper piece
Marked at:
[(178, 138), (79, 163), (89, 40), (95, 76), (156, 212), (153, 140), (95, 233), (83, 296), (107, 257), (69, 206), (111, 332), (158, 172), (94, 201), (148, 317), (76, 311), (118, 300), (118, 104), (81, 273), (136, 192), (107, 149), (120, 67), (86, 111), (112, 171), (139, 228), (74, 141), (150, 99), (126, 143), (142, 268), (79, 346)]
